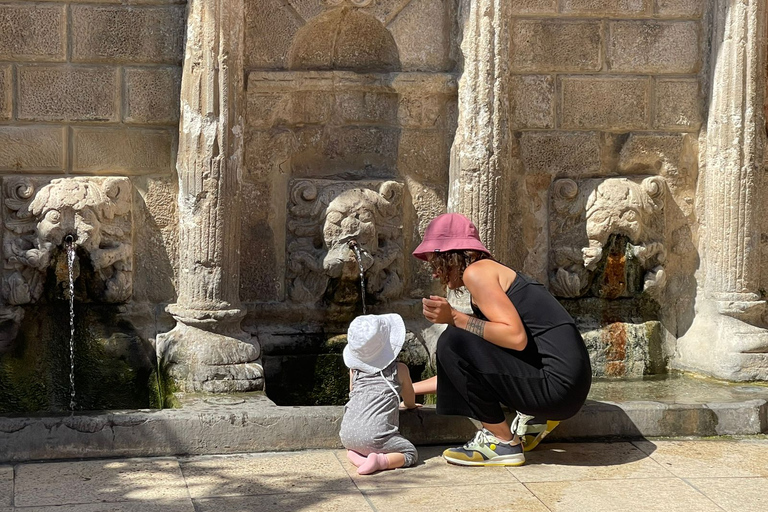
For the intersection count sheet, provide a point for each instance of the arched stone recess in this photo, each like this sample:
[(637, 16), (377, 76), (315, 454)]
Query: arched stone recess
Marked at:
[(347, 116)]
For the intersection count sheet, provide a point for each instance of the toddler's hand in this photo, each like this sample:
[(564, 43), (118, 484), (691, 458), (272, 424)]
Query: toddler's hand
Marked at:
[(404, 407)]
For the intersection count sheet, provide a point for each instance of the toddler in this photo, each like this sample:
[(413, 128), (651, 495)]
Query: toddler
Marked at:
[(369, 429)]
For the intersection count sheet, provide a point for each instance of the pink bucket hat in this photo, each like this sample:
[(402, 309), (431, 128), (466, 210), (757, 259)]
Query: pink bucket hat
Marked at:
[(449, 232)]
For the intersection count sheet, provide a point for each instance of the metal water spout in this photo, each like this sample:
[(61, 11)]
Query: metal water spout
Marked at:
[(69, 242), (358, 255)]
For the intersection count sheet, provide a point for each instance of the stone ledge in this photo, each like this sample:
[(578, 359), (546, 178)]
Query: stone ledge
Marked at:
[(252, 423)]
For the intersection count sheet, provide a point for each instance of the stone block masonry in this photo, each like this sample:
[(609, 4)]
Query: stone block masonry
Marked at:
[(90, 87), (35, 32), (608, 65)]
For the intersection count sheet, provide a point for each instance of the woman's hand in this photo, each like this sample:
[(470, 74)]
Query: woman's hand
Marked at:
[(437, 310), (408, 407)]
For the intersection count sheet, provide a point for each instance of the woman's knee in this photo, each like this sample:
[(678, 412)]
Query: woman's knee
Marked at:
[(450, 341)]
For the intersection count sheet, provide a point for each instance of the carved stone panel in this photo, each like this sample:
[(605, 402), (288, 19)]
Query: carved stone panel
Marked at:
[(324, 216), (39, 214), (607, 236)]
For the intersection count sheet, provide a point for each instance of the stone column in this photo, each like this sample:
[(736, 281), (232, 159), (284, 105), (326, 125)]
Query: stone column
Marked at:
[(480, 157), (207, 350), (728, 338)]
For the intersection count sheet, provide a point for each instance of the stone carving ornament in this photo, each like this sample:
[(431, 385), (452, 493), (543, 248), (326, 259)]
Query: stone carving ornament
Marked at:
[(587, 213), (39, 215), (324, 217)]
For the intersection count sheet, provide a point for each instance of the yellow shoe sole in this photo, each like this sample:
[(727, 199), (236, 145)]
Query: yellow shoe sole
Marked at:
[(531, 441)]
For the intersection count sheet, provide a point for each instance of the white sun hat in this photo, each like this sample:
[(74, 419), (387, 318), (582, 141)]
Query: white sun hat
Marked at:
[(373, 341)]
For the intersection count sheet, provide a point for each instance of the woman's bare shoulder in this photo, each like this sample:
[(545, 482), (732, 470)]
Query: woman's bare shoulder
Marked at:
[(490, 269)]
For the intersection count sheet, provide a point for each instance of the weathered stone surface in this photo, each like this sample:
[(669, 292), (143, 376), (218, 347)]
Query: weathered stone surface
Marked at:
[(337, 211), (156, 251), (678, 104), (533, 101), (238, 427), (152, 95), (269, 109), (127, 34), (422, 34), (534, 7), (269, 32), (33, 32), (96, 211), (560, 153), (6, 93), (424, 154), (680, 8), (344, 39), (363, 107), (307, 9), (116, 150), (68, 93), (262, 250), (267, 151), (605, 8), (555, 45), (607, 237), (605, 103), (32, 148), (643, 152), (654, 46)]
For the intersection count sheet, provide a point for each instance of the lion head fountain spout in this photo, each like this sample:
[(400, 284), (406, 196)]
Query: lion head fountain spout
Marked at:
[(44, 216)]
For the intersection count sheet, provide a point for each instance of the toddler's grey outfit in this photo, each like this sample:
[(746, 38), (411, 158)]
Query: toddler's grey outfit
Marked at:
[(372, 418)]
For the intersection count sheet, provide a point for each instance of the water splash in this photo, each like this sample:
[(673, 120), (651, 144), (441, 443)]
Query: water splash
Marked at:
[(359, 256), (70, 245)]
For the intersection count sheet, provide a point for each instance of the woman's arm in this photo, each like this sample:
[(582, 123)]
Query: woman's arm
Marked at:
[(350, 380), (504, 326), (426, 387)]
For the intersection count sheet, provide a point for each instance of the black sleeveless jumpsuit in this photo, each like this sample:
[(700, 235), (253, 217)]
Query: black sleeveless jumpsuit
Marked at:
[(548, 379)]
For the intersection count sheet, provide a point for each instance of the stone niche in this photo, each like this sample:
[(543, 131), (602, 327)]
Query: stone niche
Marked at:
[(348, 131), (114, 365), (607, 261)]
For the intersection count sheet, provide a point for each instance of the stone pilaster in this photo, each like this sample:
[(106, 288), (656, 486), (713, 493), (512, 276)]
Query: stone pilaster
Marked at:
[(207, 350), (728, 338), (480, 156)]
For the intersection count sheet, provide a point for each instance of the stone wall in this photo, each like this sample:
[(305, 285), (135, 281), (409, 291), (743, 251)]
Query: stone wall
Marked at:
[(611, 89), (92, 88)]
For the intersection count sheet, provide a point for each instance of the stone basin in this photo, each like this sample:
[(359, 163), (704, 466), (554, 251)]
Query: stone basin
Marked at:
[(671, 406)]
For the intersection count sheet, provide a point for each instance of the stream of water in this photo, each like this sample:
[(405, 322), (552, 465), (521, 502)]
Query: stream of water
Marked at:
[(71, 266), (359, 256)]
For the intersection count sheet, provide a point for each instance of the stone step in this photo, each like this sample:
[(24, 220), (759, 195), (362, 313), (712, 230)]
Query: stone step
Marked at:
[(216, 424)]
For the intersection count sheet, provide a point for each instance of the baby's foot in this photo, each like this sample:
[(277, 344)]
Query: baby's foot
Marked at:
[(355, 458), (373, 463)]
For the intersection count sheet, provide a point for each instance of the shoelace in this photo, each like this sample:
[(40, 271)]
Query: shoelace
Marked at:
[(482, 436)]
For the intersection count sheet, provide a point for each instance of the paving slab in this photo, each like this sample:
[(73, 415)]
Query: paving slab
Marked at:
[(83, 482), (552, 462), (268, 473), (431, 470), (135, 506), (646, 494), (6, 486), (709, 459), (734, 494), (293, 502), (492, 495)]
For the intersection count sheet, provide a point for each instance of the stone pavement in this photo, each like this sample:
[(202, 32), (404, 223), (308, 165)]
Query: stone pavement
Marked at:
[(666, 475)]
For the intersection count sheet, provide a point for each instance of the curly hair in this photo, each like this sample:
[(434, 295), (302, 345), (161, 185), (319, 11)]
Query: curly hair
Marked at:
[(454, 263)]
